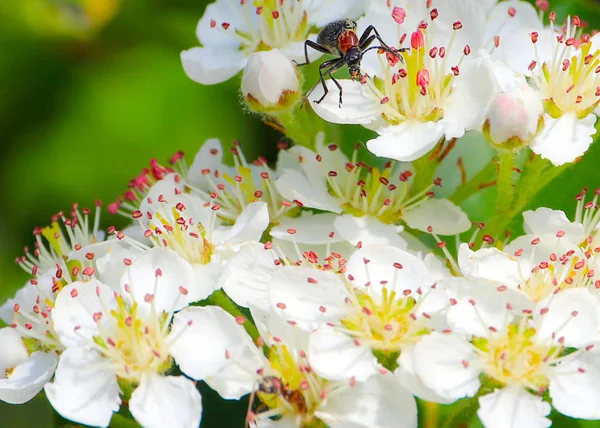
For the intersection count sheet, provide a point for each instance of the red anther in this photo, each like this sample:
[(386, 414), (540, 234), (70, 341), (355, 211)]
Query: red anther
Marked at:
[(542, 5), (215, 207), (423, 78), (457, 25), (311, 280), (519, 252), (398, 14), (534, 36), (74, 293), (488, 239), (465, 364), (552, 16), (291, 231), (560, 233), (579, 265), (543, 265), (433, 52), (225, 25), (532, 65), (332, 147), (275, 14), (417, 40), (384, 100), (441, 244), (264, 175), (502, 288), (213, 23), (576, 21), (566, 64), (496, 41), (433, 14), (322, 309), (455, 70), (467, 50), (535, 241), (512, 11), (544, 311), (137, 214)]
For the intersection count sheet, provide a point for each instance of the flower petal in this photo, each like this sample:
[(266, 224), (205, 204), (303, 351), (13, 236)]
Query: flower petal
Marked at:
[(448, 365), (311, 229), (513, 407), (85, 389), (295, 186), (161, 401), (28, 378), (74, 309), (564, 139), (165, 277), (205, 340), (368, 230), (374, 267), (220, 11), (407, 141), (209, 66), (358, 106), (490, 264), (574, 386), (207, 166), (548, 221), (307, 296), (471, 96), (408, 377), (441, 215), (13, 350), (336, 356), (571, 316), (380, 402), (246, 276), (249, 226)]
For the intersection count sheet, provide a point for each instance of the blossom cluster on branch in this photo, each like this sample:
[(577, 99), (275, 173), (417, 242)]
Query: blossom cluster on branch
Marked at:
[(334, 287)]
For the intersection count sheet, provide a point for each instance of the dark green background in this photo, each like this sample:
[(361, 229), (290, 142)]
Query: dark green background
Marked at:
[(82, 113)]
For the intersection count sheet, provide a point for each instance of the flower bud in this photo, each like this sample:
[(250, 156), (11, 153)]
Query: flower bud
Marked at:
[(514, 118), (270, 83)]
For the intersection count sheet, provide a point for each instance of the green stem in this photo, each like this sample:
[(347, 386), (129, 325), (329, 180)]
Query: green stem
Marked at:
[(463, 412), (536, 174), (431, 415), (425, 169), (474, 185), (219, 298), (301, 126)]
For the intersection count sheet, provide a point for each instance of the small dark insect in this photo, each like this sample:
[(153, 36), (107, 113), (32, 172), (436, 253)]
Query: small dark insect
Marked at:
[(339, 38), (274, 386)]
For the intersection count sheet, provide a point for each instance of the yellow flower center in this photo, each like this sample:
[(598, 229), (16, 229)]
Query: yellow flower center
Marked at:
[(514, 357)]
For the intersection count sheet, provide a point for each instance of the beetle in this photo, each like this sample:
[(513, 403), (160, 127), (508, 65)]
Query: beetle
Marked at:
[(339, 38)]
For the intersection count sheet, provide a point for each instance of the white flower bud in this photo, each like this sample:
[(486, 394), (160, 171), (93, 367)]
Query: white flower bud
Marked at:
[(270, 83), (514, 118)]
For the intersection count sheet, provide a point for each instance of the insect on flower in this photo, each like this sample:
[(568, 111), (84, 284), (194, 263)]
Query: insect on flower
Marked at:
[(339, 38), (275, 389)]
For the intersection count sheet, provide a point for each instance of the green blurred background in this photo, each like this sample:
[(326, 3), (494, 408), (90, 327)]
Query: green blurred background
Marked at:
[(90, 90)]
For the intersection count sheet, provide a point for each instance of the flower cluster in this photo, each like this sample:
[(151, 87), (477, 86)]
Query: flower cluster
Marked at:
[(333, 287)]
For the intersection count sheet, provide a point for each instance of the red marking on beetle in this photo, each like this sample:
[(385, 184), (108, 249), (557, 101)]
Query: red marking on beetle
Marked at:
[(346, 40)]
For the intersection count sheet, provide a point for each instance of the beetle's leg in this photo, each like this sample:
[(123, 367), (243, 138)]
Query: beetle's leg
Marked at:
[(367, 38), (394, 52), (331, 69), (313, 45), (323, 69)]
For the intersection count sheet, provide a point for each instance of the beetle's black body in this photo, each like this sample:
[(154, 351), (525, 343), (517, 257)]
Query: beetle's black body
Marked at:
[(339, 38)]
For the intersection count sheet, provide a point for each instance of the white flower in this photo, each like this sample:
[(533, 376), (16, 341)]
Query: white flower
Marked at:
[(293, 394), (522, 355), (230, 31), (434, 92), (22, 374), (564, 69), (270, 82), (370, 201), (188, 226), (514, 118), (385, 302), (123, 344), (234, 188)]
